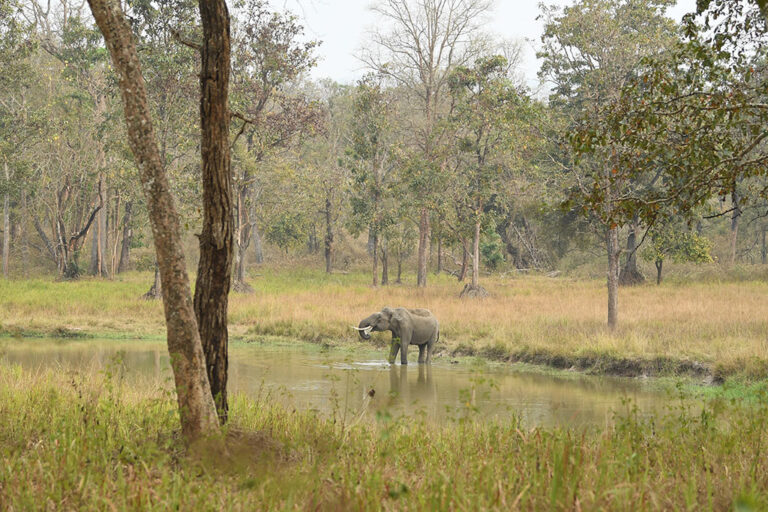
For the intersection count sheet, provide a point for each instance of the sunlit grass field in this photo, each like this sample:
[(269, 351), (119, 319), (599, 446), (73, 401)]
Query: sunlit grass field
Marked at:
[(710, 328), (91, 441)]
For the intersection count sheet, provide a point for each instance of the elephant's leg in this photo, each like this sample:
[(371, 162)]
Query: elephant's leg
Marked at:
[(421, 353), (404, 342), (394, 348), (430, 349)]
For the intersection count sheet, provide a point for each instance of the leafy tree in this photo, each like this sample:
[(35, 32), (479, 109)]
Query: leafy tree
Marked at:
[(372, 163), (590, 50), (489, 113), (673, 243), (269, 57), (418, 45)]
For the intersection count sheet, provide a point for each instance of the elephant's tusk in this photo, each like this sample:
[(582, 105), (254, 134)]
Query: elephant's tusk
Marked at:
[(367, 330)]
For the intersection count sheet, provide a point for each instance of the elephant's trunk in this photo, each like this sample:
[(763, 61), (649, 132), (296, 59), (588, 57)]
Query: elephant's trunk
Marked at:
[(364, 329)]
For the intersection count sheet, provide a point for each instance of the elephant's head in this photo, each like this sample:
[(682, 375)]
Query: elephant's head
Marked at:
[(380, 321)]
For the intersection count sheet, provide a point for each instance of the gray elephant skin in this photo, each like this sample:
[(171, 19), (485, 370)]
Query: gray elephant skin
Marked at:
[(409, 327)]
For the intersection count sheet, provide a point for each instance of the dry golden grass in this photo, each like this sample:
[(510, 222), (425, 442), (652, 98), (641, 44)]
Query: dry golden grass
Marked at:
[(721, 325)]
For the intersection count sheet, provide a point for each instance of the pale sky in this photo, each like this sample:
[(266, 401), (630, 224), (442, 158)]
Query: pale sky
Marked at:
[(342, 26)]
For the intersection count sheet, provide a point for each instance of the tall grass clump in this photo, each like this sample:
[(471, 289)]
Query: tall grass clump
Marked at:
[(86, 441)]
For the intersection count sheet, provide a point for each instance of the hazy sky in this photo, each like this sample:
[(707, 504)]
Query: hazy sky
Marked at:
[(342, 27)]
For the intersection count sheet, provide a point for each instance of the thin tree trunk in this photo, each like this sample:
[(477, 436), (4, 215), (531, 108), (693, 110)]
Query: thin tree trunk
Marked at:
[(476, 256), (214, 272), (630, 275), (258, 253), (156, 290), (439, 252), (659, 265), (384, 266), (399, 269), (196, 407), (328, 236), (6, 223), (23, 234), (464, 262), (612, 246), (125, 249), (736, 200), (375, 270), (421, 276), (763, 248)]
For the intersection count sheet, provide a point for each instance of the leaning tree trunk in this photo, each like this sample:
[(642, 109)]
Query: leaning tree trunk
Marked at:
[(612, 247), (6, 224), (196, 407), (214, 271), (421, 275)]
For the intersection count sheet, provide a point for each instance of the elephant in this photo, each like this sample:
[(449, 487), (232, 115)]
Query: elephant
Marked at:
[(409, 327)]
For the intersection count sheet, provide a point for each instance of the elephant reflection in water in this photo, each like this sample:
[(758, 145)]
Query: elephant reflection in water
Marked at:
[(421, 394)]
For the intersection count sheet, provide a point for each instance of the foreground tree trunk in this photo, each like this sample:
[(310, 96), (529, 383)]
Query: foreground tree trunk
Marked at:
[(612, 246), (6, 224), (214, 271), (421, 275), (196, 406)]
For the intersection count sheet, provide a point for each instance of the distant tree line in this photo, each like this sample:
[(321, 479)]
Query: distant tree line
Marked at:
[(649, 144)]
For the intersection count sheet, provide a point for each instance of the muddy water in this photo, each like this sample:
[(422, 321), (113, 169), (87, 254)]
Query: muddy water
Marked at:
[(343, 382)]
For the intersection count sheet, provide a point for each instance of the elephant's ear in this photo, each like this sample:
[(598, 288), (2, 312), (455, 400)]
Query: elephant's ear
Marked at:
[(397, 319)]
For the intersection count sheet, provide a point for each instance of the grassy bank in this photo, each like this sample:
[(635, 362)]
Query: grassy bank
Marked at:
[(714, 329), (92, 442)]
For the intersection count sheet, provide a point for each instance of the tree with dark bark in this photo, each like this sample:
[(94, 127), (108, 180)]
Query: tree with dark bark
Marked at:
[(214, 270)]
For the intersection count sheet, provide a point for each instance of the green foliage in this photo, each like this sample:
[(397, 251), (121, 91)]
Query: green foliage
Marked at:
[(287, 230), (491, 248), (677, 245)]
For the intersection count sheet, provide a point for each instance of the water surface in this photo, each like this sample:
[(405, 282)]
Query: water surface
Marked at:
[(342, 382)]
